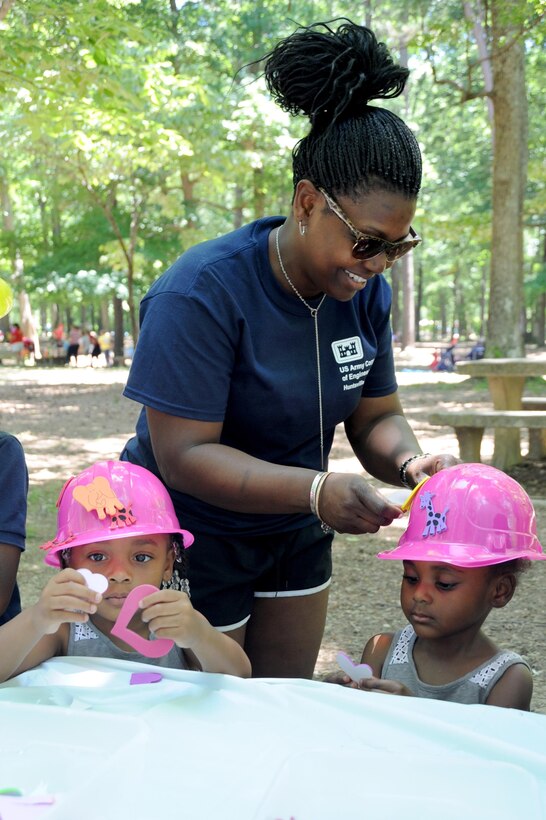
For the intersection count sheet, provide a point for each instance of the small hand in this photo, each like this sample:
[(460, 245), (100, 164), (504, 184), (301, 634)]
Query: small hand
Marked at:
[(66, 598), (387, 687), (341, 679), (170, 614)]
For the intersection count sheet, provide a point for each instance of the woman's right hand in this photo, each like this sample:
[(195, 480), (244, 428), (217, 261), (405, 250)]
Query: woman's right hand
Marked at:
[(65, 598), (349, 503)]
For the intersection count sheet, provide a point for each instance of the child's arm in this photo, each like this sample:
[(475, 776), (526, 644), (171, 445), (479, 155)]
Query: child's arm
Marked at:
[(376, 650), (170, 614), (35, 636), (514, 689)]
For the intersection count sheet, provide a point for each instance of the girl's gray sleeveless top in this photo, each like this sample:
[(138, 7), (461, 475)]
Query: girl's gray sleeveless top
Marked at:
[(85, 640), (474, 687)]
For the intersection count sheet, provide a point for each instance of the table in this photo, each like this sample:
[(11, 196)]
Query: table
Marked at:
[(203, 746), (506, 380)]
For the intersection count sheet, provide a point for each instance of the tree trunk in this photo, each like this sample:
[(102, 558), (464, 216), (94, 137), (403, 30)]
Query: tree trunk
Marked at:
[(118, 331), (539, 320), (539, 313), (17, 269), (5, 6), (395, 310), (483, 301), (504, 330), (419, 302), (408, 322)]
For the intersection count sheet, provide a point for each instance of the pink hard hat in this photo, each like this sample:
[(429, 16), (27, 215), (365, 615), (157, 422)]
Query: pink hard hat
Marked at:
[(110, 500), (469, 515)]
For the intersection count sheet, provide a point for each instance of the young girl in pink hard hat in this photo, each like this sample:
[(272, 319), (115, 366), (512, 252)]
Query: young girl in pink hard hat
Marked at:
[(116, 521), (471, 532)]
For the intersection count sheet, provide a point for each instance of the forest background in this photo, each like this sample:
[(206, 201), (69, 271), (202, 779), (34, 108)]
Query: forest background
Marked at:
[(132, 129)]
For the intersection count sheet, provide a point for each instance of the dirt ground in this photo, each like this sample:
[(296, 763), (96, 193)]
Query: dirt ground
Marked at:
[(67, 418)]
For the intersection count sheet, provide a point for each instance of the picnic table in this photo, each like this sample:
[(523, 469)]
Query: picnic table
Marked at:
[(506, 381), (7, 355)]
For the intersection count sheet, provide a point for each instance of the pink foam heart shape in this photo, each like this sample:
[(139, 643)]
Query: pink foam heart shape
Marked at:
[(356, 672), (146, 647)]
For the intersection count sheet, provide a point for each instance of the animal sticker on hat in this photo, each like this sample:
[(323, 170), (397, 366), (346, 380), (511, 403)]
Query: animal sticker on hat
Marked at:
[(99, 497), (436, 521)]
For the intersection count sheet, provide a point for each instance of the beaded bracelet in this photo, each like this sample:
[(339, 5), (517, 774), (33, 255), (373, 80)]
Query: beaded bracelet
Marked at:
[(404, 468)]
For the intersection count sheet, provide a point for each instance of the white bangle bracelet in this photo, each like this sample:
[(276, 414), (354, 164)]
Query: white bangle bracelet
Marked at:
[(313, 491), (319, 487), (320, 484)]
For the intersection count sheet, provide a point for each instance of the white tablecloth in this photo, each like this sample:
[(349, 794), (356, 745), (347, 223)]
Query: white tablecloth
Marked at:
[(212, 747)]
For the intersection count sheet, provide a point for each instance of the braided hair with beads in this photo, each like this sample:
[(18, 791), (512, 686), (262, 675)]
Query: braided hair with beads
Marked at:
[(330, 76)]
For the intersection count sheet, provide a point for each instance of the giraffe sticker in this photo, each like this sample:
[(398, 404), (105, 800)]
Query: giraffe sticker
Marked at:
[(436, 521)]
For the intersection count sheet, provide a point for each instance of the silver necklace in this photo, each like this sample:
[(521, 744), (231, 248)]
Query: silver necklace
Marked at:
[(314, 316)]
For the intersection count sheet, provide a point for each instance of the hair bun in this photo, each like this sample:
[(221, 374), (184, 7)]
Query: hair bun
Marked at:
[(329, 74)]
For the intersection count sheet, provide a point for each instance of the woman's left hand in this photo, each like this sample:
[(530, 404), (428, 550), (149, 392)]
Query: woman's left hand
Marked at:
[(427, 465)]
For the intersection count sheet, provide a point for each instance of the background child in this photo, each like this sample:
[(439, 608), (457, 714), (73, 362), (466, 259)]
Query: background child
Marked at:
[(117, 520), (471, 531)]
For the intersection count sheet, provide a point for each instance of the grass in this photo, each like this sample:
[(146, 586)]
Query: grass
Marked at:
[(42, 513)]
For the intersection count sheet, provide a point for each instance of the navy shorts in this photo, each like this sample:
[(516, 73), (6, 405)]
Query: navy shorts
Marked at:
[(226, 573)]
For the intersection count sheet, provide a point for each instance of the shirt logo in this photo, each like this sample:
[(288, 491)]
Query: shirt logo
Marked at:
[(347, 350)]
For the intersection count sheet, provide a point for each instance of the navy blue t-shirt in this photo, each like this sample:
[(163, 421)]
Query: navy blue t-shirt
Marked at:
[(221, 341), (13, 506)]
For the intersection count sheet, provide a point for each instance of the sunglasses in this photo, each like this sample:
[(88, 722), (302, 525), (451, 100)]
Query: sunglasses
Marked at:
[(366, 246)]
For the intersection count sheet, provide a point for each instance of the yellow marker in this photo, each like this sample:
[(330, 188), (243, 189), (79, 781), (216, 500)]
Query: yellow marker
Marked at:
[(407, 503), (6, 298)]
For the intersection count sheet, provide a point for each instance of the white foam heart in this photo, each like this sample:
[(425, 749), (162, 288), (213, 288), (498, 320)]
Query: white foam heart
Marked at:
[(94, 580), (356, 672)]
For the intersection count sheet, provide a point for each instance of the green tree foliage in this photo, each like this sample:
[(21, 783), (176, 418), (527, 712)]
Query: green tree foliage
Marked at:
[(132, 129)]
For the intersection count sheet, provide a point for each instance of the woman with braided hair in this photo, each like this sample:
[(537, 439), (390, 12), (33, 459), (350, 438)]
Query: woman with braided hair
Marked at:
[(278, 332)]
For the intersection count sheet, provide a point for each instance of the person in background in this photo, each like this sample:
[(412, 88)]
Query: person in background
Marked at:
[(106, 344), (95, 348), (13, 514), (117, 520), (17, 341), (85, 347), (74, 339), (58, 334), (254, 346), (472, 531), (477, 351)]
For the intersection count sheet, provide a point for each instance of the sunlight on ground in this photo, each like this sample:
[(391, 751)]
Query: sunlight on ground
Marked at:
[(65, 375)]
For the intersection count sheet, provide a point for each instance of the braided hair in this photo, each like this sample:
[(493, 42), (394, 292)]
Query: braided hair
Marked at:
[(330, 76)]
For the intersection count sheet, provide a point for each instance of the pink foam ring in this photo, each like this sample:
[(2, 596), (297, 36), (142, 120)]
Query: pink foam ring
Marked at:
[(356, 672), (94, 580), (146, 647)]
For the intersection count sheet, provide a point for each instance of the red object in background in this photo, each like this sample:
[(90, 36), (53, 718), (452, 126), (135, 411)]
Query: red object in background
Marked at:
[(58, 333), (16, 334), (436, 358)]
